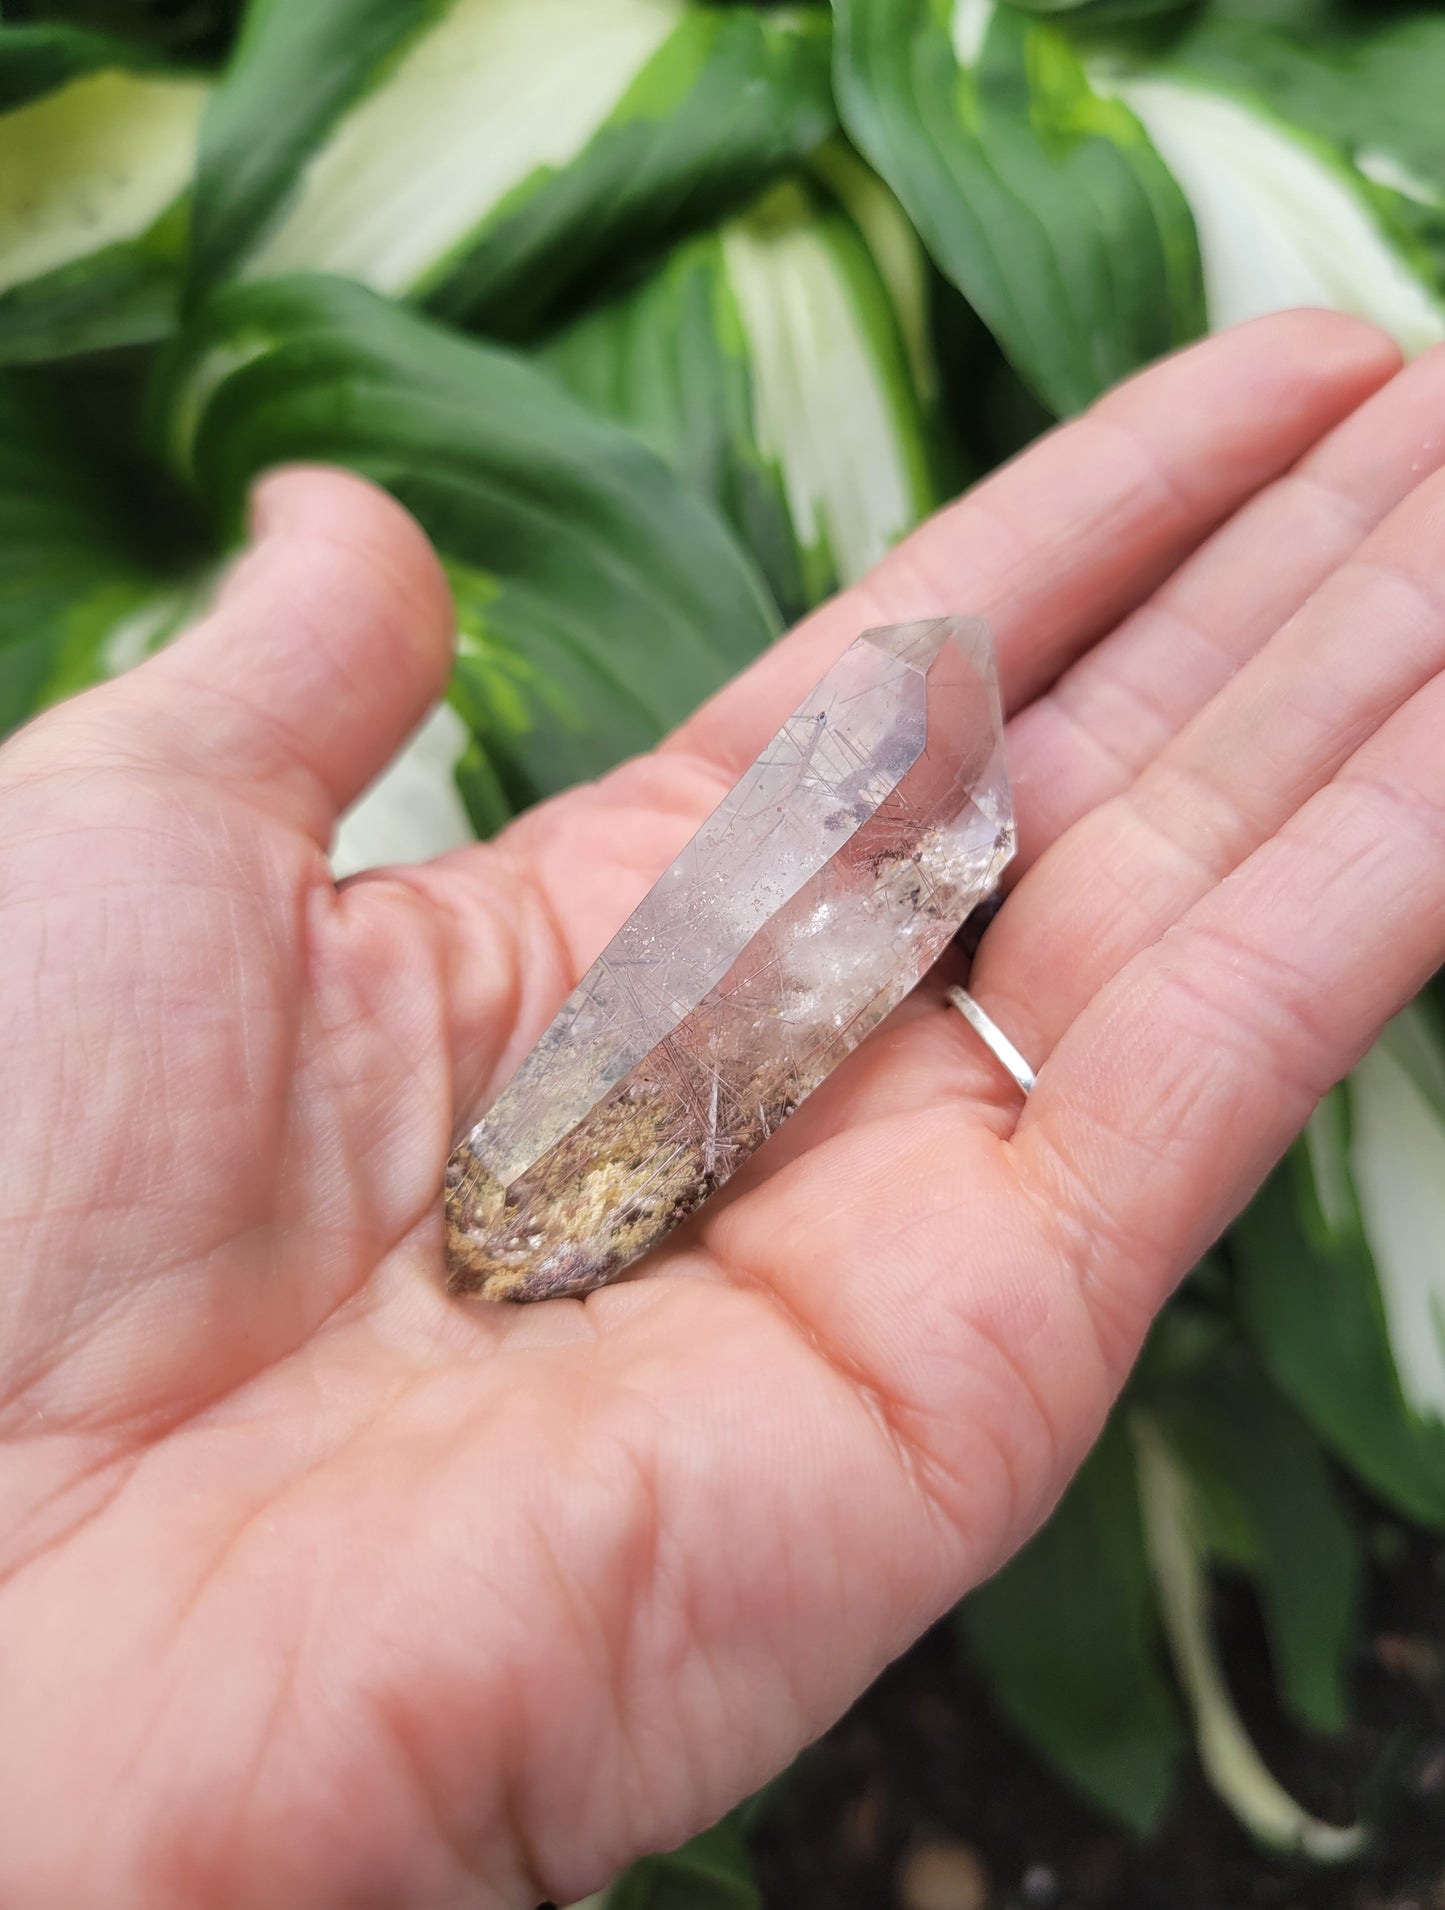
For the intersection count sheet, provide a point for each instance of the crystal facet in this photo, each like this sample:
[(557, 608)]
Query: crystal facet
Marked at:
[(804, 909)]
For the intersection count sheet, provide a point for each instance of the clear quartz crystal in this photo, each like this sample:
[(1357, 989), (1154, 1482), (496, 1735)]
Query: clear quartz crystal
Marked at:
[(804, 909)]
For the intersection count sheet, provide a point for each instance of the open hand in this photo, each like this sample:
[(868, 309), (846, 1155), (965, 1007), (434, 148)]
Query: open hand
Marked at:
[(320, 1588)]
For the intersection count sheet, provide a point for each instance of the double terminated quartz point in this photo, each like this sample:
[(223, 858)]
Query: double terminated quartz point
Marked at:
[(803, 910)]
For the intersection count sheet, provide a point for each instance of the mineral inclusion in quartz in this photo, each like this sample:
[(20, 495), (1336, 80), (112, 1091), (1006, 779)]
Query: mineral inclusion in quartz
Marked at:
[(803, 910)]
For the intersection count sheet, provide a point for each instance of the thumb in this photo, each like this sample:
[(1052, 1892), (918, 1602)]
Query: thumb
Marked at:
[(329, 641)]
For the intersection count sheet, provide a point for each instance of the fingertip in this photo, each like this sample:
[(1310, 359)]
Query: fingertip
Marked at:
[(1314, 345), (1307, 363), (328, 642), (1328, 337), (320, 503)]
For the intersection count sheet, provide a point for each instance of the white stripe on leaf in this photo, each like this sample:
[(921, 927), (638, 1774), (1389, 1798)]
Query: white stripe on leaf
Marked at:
[(414, 810), (1280, 224), (1233, 1766), (897, 251), (969, 29), (822, 410), (1397, 1152), (92, 164), (1391, 173), (1327, 1139), (494, 92)]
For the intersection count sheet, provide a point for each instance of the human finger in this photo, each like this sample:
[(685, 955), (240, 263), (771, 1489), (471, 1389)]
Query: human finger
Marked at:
[(1058, 545), (1081, 746), (1365, 643), (327, 644), (1191, 1071), (1098, 725), (939, 1246), (1052, 549)]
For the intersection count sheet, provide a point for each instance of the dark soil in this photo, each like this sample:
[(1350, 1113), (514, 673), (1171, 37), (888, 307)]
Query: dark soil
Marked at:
[(921, 1800)]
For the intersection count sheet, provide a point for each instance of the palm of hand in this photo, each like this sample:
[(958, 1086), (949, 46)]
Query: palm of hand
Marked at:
[(316, 1587)]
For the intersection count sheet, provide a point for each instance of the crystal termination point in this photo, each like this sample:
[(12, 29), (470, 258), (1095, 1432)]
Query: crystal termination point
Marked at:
[(807, 905)]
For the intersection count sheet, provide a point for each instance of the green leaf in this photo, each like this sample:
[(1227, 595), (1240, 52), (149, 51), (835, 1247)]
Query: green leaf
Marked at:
[(417, 808), (1397, 1157), (1253, 1459), (1370, 86), (1177, 1559), (1283, 216), (1415, 1042), (35, 61), (1104, 12), (711, 1872), (176, 29), (493, 157), (83, 588), (295, 72), (1342, 1260), (767, 363), (96, 153), (1293, 16), (1067, 1639), (598, 602), (1042, 201)]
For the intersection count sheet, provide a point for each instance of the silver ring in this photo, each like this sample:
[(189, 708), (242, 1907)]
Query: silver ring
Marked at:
[(993, 1038)]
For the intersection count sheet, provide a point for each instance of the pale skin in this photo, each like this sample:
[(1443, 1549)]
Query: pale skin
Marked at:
[(320, 1588)]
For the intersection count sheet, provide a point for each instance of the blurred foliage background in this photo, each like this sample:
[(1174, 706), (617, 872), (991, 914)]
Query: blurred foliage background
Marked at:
[(665, 318)]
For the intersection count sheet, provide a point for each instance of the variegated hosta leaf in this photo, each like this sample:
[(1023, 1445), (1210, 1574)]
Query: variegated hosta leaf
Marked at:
[(492, 156), (1172, 1519), (85, 586), (1283, 218), (1067, 1638), (1111, 12), (1042, 200), (414, 810), (174, 29), (598, 601), (1070, 1634), (1343, 1259), (1266, 1506), (1397, 1152), (97, 149), (777, 370), (1368, 86)]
